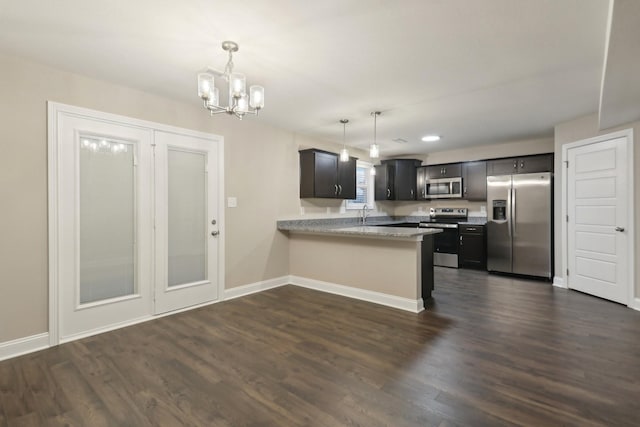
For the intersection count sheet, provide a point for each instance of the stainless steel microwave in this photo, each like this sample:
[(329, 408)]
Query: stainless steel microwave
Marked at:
[(443, 188)]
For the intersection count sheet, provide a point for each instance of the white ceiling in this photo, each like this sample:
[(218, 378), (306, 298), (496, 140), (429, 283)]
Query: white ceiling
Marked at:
[(476, 72)]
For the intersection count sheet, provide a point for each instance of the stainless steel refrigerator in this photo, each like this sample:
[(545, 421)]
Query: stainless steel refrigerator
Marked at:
[(519, 224)]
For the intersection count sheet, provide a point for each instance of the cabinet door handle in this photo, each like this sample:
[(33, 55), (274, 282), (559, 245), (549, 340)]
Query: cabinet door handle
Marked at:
[(522, 164), (465, 190), (336, 192), (339, 189), (412, 192), (388, 192), (515, 164), (460, 240)]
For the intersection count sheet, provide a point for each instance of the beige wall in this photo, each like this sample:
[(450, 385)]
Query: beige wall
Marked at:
[(355, 262), (261, 170), (575, 130), (492, 151)]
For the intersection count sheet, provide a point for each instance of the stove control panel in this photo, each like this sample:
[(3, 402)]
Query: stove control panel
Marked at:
[(448, 212)]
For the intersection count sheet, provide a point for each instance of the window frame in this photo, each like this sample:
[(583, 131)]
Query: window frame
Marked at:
[(351, 204)]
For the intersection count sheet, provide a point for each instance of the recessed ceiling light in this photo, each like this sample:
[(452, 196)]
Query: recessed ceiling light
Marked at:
[(431, 138)]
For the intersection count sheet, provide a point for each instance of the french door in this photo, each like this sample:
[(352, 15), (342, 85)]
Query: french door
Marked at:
[(186, 221), (135, 222)]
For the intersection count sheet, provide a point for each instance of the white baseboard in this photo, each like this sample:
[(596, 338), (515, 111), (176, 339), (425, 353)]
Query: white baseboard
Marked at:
[(559, 282), (635, 304), (414, 306), (24, 345), (252, 288)]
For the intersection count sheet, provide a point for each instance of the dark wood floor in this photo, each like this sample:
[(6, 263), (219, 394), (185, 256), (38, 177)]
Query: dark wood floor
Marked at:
[(491, 351)]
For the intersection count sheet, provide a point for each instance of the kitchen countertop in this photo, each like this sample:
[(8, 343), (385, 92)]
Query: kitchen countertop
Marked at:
[(370, 231), (474, 221)]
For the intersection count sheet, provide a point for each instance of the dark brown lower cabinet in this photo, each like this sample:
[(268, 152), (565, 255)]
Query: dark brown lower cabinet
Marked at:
[(472, 247)]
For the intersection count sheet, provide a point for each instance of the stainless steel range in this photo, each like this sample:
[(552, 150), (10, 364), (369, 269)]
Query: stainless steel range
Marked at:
[(445, 243)]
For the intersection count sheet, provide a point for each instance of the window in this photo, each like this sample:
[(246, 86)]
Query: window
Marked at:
[(364, 187)]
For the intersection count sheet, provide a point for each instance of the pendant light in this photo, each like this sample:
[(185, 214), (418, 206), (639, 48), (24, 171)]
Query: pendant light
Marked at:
[(374, 150), (344, 153)]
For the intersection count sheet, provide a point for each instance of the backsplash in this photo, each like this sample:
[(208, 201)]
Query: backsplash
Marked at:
[(476, 209)]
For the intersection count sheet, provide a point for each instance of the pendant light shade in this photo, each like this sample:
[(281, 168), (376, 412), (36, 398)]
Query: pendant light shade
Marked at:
[(344, 153), (374, 149)]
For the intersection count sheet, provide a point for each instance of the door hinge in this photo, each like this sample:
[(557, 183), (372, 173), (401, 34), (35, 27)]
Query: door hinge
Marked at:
[(567, 272), (566, 163), (567, 218), (135, 160)]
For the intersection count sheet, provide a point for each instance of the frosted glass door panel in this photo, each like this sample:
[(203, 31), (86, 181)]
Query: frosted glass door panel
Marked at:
[(107, 220), (187, 217)]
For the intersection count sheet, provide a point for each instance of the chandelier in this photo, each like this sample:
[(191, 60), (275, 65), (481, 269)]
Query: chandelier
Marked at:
[(240, 103)]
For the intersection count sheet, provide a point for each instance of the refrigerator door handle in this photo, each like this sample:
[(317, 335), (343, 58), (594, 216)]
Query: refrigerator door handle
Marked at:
[(509, 212), (515, 206)]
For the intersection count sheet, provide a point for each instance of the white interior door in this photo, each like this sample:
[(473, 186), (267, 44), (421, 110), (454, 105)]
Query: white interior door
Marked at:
[(187, 221), (104, 225), (597, 197)]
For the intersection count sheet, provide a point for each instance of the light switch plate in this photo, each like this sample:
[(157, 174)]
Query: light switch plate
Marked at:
[(232, 202)]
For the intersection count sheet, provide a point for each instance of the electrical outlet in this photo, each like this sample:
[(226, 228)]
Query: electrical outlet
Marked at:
[(232, 202)]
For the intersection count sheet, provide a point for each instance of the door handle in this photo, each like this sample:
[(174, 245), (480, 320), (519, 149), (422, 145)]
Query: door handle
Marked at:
[(509, 213), (514, 208), (215, 233), (388, 192), (412, 192), (620, 229), (336, 190), (339, 189)]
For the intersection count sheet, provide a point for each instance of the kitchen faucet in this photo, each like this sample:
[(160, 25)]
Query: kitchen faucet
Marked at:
[(364, 214)]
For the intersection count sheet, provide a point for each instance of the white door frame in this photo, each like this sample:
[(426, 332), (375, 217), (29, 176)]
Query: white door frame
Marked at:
[(55, 111), (630, 226)]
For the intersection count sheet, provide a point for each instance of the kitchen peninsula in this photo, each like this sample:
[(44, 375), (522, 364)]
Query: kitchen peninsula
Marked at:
[(377, 262)]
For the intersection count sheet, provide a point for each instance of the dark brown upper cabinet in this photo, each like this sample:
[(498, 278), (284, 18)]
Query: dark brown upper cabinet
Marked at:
[(396, 179), (322, 175), (524, 164), (474, 180), (451, 170)]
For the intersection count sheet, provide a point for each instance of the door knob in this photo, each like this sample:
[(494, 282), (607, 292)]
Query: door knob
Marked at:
[(215, 233), (620, 229)]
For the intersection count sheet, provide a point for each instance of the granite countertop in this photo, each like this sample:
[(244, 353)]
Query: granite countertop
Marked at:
[(372, 230), (472, 220)]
